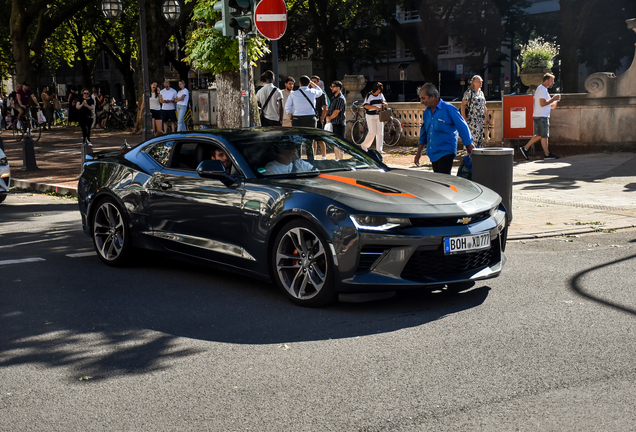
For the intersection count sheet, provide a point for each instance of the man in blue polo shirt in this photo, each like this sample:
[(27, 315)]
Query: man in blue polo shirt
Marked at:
[(442, 124)]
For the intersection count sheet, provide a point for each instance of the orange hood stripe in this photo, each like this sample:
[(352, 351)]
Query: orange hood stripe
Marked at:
[(354, 183)]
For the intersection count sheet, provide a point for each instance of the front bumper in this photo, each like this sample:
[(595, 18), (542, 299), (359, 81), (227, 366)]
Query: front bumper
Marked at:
[(387, 263)]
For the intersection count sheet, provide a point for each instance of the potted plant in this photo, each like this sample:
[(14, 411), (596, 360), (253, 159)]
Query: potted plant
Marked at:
[(536, 61)]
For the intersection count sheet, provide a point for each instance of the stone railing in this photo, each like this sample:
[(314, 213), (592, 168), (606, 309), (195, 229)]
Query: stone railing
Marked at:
[(410, 114)]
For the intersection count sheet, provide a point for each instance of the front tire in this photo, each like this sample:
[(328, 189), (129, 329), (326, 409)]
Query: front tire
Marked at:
[(302, 265), (110, 234)]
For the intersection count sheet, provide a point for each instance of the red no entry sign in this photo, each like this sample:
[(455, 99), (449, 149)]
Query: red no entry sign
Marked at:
[(270, 17)]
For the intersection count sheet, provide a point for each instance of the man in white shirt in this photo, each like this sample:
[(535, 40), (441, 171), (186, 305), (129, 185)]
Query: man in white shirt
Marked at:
[(182, 105), (543, 105), (270, 98), (287, 161), (168, 97), (302, 104), (288, 90)]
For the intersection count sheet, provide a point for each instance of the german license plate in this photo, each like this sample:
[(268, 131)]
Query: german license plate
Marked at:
[(466, 243)]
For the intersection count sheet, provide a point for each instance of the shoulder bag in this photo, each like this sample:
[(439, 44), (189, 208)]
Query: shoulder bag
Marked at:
[(386, 115), (312, 105), (262, 113)]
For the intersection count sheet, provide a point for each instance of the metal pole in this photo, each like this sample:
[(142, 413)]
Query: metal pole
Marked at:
[(275, 61), (147, 118), (245, 94)]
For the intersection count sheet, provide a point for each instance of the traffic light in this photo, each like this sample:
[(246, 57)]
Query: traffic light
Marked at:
[(227, 13), (243, 15)]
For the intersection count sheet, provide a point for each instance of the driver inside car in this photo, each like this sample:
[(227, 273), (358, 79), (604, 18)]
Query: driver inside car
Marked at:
[(220, 154), (287, 161)]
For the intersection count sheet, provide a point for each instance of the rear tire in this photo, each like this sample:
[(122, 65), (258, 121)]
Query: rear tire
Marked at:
[(302, 265)]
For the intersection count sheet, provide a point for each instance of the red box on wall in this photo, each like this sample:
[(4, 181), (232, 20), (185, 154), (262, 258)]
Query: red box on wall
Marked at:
[(517, 116)]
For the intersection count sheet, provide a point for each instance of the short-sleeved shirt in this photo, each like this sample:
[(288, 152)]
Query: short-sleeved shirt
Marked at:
[(185, 99), (376, 101), (86, 114), (299, 165), (169, 94), (270, 111), (25, 96), (299, 105), (539, 111), (339, 103)]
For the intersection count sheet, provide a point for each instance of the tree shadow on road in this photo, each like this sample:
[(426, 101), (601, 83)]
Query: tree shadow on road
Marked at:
[(104, 322), (576, 284)]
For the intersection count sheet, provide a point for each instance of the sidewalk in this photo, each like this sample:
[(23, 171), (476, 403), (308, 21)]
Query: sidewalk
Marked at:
[(569, 196)]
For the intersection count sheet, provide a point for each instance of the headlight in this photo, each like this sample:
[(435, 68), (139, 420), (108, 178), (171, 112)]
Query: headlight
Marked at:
[(4, 161), (378, 223)]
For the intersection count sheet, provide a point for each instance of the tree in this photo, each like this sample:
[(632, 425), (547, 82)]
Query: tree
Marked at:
[(32, 22), (333, 32), (208, 50)]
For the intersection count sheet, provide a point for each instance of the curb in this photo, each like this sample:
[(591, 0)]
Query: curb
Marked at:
[(43, 187), (565, 233)]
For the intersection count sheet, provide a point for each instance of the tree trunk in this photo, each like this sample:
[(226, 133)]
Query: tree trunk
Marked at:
[(228, 91), (18, 28)]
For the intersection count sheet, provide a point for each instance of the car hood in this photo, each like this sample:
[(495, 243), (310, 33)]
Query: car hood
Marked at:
[(399, 191)]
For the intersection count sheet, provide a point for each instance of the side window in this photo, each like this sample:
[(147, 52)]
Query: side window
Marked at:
[(161, 152)]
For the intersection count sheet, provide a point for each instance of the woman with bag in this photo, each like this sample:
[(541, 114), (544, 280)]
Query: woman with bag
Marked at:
[(475, 111), (373, 104)]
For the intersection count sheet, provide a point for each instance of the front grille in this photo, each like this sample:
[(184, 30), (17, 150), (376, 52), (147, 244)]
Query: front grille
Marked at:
[(425, 264), (448, 220)]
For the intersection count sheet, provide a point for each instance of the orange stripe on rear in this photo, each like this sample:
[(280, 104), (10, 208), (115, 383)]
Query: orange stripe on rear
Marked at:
[(354, 183), (453, 188)]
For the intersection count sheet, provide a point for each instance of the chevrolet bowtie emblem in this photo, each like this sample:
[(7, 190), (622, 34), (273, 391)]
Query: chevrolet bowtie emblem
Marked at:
[(465, 220)]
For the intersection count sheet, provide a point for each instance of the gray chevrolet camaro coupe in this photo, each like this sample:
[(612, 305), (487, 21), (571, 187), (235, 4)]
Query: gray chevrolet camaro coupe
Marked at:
[(277, 204)]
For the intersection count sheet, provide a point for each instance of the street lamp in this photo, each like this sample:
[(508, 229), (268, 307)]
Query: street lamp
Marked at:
[(171, 11), (112, 9)]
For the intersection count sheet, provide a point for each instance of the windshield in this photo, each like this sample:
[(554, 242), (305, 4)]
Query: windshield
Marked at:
[(289, 155)]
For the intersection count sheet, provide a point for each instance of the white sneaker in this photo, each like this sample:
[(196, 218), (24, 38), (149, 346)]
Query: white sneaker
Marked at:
[(324, 158), (19, 124)]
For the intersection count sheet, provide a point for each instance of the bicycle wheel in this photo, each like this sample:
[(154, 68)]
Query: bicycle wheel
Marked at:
[(18, 133), (392, 132), (359, 131), (35, 130)]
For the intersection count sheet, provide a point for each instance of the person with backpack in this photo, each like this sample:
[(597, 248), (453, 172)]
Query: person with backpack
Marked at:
[(475, 111), (270, 100)]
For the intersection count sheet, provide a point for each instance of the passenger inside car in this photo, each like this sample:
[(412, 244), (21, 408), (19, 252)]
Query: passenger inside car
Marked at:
[(220, 154), (287, 160)]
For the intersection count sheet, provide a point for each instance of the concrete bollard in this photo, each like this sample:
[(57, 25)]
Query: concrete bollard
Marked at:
[(28, 156)]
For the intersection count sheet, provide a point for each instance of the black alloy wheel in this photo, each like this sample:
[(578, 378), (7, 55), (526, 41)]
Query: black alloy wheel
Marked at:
[(302, 265)]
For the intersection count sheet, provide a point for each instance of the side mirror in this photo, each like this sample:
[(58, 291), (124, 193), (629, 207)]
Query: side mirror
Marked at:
[(214, 169)]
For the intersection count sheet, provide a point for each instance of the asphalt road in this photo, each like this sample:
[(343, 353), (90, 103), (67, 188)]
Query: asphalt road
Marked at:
[(166, 345)]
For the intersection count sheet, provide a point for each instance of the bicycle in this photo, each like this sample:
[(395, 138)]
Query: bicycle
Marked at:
[(359, 130), (30, 127)]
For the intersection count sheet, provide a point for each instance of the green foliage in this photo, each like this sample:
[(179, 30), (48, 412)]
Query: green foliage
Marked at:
[(208, 50), (538, 54)]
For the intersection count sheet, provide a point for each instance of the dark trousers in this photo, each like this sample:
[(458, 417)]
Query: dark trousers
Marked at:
[(444, 165), (85, 125), (304, 121), (267, 122), (339, 130)]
